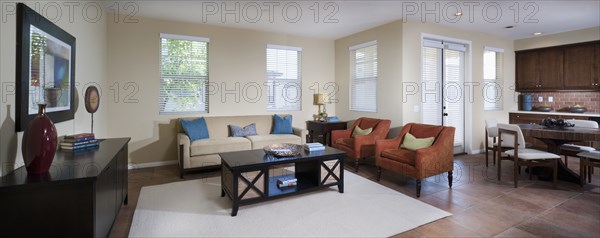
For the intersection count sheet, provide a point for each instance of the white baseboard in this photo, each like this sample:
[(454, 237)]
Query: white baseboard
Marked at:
[(477, 151), (151, 164)]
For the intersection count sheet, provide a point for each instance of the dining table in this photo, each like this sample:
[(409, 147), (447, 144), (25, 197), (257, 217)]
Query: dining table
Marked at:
[(555, 137)]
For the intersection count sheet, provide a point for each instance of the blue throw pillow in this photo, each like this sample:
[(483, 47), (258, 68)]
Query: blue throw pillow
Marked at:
[(282, 125), (237, 131), (195, 129)]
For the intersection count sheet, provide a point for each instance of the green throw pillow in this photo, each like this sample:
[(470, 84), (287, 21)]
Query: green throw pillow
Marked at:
[(412, 143), (360, 132)]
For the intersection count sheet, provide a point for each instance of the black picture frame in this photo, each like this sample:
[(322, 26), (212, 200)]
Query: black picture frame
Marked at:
[(45, 69)]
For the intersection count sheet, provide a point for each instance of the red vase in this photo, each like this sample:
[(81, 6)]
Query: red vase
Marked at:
[(39, 143)]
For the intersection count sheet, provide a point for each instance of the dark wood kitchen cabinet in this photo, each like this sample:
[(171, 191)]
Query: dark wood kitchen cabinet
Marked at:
[(582, 65), (574, 67), (526, 68), (539, 70), (79, 197)]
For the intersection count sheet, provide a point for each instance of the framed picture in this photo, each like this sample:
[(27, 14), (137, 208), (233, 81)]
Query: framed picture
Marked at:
[(45, 68)]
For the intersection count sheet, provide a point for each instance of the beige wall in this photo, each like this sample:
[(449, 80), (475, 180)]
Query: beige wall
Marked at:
[(389, 81), (570, 37), (90, 67), (235, 56), (474, 135)]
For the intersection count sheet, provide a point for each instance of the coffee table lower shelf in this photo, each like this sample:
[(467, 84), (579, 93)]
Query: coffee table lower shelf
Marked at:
[(258, 181)]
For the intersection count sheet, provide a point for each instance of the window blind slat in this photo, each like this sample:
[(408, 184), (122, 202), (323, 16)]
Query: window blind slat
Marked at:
[(492, 79), (183, 74), (363, 82), (432, 75), (284, 78)]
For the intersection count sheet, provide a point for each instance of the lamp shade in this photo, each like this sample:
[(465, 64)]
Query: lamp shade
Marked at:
[(318, 99)]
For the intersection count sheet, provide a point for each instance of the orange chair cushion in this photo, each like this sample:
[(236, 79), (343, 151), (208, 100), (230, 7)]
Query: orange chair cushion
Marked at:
[(349, 142), (368, 123), (400, 155), (424, 131)]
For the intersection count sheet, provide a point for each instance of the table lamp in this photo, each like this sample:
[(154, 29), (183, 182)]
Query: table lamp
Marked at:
[(319, 99)]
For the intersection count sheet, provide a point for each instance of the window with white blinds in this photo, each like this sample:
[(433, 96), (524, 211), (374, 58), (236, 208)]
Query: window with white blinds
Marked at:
[(284, 81), (492, 78), (363, 81), (183, 74)]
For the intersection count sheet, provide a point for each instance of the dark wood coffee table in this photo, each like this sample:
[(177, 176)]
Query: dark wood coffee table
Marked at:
[(251, 176)]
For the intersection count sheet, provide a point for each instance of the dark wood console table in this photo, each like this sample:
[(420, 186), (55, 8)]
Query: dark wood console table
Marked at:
[(79, 197), (320, 131)]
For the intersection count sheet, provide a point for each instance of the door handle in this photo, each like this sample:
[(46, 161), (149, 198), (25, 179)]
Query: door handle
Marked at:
[(445, 114)]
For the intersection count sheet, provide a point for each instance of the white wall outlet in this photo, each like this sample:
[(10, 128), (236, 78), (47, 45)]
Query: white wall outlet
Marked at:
[(416, 108), (550, 99), (540, 99)]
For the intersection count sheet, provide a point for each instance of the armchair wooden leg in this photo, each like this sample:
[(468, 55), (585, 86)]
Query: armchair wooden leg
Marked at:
[(528, 171), (450, 178), (418, 188), (356, 165), (378, 173), (567, 161), (589, 173)]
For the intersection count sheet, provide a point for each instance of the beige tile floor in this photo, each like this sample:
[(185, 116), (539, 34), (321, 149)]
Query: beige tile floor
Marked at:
[(481, 205)]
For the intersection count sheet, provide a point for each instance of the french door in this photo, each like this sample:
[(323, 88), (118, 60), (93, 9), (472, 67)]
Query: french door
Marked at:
[(443, 76)]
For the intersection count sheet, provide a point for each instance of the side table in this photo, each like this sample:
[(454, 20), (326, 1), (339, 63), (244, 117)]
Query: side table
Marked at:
[(320, 131)]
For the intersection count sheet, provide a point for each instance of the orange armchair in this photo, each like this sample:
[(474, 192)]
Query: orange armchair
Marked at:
[(360, 146), (422, 163)]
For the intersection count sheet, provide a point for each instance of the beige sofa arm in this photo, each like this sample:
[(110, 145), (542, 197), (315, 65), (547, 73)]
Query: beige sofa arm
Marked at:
[(300, 132), (183, 151)]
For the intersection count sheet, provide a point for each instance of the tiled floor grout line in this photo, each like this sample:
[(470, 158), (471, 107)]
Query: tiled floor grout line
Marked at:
[(540, 214)]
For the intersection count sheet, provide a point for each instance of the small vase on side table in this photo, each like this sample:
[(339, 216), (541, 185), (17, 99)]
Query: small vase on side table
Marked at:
[(39, 143)]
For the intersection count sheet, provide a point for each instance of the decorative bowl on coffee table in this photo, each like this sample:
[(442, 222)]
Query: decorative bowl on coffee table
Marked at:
[(283, 149)]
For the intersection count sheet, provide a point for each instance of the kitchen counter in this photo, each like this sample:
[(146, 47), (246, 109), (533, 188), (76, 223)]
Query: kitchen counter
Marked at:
[(559, 113)]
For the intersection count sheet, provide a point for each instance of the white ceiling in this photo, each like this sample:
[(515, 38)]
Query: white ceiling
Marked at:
[(348, 17)]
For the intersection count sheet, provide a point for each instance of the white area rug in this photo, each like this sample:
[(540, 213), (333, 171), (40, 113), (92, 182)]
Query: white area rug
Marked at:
[(194, 208)]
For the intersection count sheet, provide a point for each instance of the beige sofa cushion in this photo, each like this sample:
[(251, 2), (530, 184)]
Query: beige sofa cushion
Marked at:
[(219, 145), (260, 141), (205, 160)]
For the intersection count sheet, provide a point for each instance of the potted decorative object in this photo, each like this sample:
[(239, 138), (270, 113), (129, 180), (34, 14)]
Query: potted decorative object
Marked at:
[(577, 109), (39, 143), (543, 108), (555, 123)]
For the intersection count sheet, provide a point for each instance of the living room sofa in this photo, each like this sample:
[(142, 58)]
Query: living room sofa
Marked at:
[(204, 153)]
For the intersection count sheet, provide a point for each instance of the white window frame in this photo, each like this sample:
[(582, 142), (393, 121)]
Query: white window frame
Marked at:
[(204, 90), (493, 81), (278, 89), (355, 105)]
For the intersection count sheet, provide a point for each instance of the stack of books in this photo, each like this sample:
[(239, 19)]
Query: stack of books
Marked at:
[(79, 142), (286, 183), (310, 147)]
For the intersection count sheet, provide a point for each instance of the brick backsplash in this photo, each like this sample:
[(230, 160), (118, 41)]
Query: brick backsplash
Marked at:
[(564, 100)]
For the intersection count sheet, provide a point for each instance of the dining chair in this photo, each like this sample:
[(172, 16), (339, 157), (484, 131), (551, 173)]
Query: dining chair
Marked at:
[(572, 149), (491, 132), (522, 156), (589, 160)]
